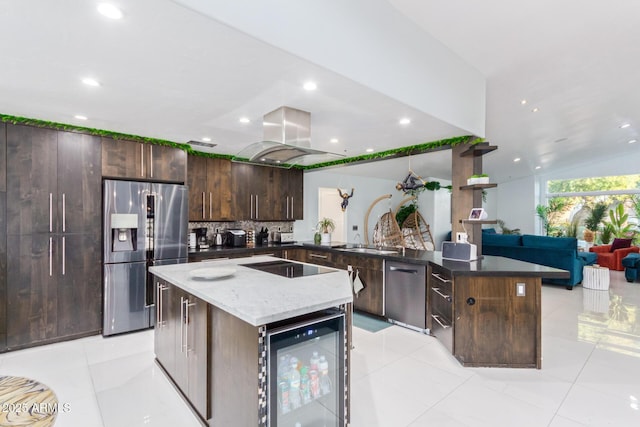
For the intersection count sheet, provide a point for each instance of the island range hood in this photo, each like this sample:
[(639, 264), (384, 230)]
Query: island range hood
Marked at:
[(286, 141)]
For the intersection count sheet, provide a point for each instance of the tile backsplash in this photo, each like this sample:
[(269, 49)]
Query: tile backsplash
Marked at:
[(256, 226)]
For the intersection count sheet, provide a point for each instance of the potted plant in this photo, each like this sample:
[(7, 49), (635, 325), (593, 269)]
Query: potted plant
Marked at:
[(481, 178), (326, 227), (591, 223)]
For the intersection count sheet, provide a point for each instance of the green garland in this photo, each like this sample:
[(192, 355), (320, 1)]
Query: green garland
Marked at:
[(402, 151), (396, 152)]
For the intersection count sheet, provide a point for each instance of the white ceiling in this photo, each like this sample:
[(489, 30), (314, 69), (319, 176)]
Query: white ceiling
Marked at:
[(170, 73)]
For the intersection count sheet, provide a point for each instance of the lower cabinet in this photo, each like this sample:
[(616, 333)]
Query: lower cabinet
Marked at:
[(181, 341), (54, 288), (495, 325), (370, 271)]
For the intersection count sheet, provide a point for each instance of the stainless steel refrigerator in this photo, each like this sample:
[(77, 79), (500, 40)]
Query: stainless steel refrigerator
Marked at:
[(144, 224)]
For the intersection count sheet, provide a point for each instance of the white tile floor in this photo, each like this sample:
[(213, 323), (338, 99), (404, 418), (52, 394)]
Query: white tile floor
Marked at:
[(590, 374)]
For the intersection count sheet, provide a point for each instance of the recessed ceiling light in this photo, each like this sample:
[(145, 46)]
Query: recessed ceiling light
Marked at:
[(538, 167), (625, 125), (633, 141), (90, 82), (206, 139), (333, 140), (534, 110), (310, 86), (523, 102), (405, 121), (109, 10), (244, 120), (517, 159), (369, 150), (80, 117)]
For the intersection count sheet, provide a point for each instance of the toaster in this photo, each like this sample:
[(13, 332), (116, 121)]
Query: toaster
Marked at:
[(286, 237), (236, 238)]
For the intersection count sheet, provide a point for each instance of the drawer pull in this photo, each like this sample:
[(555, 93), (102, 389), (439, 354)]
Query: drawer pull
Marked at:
[(445, 296), (442, 279), (437, 319), (318, 256)]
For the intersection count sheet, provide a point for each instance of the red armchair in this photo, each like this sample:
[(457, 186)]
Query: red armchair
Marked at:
[(612, 260)]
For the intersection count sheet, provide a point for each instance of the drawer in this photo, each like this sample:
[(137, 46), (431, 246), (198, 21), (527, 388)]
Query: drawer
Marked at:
[(320, 258)]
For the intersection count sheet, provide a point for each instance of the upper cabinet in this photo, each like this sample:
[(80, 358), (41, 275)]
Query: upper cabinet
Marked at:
[(266, 193), (209, 183), (135, 160), (3, 157)]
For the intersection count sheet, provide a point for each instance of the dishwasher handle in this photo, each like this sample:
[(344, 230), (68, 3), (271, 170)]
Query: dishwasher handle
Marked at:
[(403, 270)]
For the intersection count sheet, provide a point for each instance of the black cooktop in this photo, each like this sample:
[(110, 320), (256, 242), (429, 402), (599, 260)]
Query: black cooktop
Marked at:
[(288, 269)]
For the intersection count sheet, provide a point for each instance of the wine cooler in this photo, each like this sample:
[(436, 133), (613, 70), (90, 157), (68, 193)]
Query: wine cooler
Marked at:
[(307, 375)]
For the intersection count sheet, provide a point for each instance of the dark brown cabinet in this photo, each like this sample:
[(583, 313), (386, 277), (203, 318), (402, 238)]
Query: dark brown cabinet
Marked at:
[(440, 305), (3, 236), (181, 342), (54, 286), (209, 183), (266, 193), (494, 326), (3, 157), (135, 160), (370, 271)]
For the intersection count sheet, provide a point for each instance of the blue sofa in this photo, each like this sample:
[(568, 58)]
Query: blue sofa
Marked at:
[(557, 252)]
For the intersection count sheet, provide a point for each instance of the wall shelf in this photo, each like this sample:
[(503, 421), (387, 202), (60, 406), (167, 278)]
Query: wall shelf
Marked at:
[(478, 186), (479, 221), (479, 150)]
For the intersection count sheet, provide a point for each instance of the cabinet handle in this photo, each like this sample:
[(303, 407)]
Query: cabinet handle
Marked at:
[(251, 206), (442, 279), (151, 161), (437, 319), (142, 160), (318, 256), (287, 214), (64, 254), (186, 326), (50, 212), (203, 203), (445, 296), (292, 216), (50, 256), (210, 205), (158, 305), (181, 324), (403, 270), (64, 213), (257, 209)]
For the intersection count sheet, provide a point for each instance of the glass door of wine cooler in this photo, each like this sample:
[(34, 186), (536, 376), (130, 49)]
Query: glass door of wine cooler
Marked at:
[(307, 374)]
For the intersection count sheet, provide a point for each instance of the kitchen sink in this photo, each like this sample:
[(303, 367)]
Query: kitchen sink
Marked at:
[(370, 251)]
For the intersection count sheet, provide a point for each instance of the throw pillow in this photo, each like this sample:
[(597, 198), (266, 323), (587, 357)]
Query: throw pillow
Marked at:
[(620, 243)]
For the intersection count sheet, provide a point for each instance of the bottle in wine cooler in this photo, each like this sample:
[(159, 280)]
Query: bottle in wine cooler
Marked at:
[(294, 385), (325, 382), (283, 391), (283, 368), (313, 362), (305, 388), (314, 383)]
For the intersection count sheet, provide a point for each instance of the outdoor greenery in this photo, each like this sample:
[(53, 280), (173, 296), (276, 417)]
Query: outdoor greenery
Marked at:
[(594, 215)]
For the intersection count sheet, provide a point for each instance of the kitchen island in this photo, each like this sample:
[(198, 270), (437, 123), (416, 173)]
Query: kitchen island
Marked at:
[(214, 320)]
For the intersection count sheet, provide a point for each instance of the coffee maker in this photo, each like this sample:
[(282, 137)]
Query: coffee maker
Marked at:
[(201, 238)]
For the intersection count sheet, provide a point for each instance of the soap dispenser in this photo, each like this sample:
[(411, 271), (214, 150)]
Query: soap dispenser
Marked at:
[(218, 238)]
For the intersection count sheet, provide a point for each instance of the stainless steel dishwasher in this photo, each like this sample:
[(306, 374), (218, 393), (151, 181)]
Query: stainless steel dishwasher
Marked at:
[(405, 294)]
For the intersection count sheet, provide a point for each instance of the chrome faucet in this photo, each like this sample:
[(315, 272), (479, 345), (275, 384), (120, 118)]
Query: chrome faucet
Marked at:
[(403, 249)]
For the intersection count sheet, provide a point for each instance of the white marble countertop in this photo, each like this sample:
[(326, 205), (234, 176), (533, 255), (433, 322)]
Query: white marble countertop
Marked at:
[(259, 297)]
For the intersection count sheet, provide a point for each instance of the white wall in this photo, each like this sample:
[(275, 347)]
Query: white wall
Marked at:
[(435, 207), (516, 200)]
